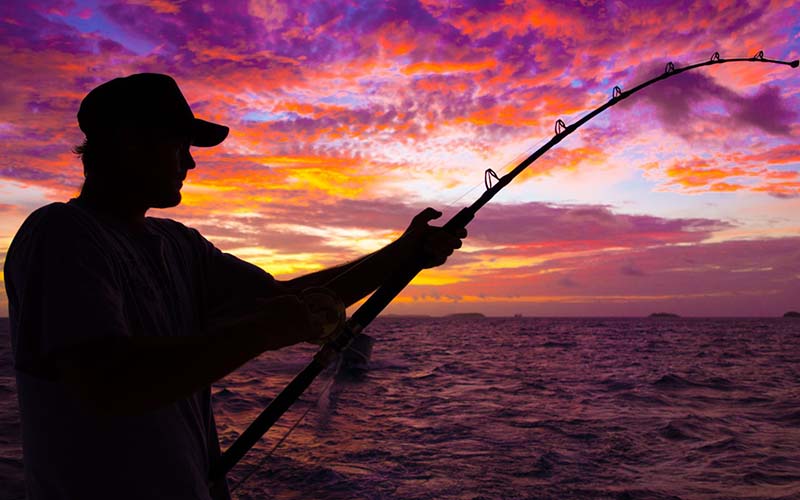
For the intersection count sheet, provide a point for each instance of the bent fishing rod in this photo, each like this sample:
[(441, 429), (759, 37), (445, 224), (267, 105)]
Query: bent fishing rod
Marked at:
[(384, 295)]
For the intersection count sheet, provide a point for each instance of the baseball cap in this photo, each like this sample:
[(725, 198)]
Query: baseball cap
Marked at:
[(146, 100)]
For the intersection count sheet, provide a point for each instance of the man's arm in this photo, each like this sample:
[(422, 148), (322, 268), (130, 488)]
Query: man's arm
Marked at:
[(129, 375), (361, 277)]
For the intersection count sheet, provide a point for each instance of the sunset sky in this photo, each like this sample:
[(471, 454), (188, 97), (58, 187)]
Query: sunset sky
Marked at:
[(347, 118)]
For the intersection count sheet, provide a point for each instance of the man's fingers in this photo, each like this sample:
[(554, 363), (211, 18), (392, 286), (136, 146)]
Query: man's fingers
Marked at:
[(441, 246), (435, 243), (430, 214), (445, 239), (426, 215), (438, 251)]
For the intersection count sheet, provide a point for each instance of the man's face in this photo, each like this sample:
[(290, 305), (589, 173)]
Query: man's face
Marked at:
[(157, 168)]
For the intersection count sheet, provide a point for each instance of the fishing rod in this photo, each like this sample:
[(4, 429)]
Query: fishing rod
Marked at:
[(384, 295)]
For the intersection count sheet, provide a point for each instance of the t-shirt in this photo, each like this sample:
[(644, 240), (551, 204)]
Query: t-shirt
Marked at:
[(73, 275)]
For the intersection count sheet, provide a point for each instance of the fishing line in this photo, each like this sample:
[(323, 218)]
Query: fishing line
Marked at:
[(507, 166), (285, 436)]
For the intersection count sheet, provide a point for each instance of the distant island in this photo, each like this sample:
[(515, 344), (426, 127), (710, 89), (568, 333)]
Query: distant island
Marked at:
[(404, 316), (664, 315), (465, 316), (792, 314)]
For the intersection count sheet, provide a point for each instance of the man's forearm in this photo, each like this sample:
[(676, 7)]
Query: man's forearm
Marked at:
[(115, 382), (127, 375), (355, 280)]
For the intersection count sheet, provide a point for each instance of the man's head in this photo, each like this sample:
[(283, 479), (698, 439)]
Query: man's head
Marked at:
[(138, 133)]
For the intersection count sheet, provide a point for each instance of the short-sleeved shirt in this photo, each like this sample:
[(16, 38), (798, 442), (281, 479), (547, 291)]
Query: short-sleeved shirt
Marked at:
[(74, 275)]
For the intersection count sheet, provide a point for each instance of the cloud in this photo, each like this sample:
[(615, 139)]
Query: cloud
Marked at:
[(703, 279), (503, 239), (760, 173), (766, 110), (575, 226), (630, 269), (678, 102), (786, 153), (347, 116)]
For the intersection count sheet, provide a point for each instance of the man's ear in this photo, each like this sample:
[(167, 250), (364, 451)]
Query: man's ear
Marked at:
[(128, 139)]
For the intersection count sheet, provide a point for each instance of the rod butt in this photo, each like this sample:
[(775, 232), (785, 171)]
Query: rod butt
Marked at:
[(795, 63)]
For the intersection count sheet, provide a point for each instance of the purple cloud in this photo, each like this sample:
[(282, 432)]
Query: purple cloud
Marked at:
[(676, 100), (540, 222), (26, 174), (766, 110)]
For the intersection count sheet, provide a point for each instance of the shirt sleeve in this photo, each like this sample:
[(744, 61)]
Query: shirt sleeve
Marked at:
[(65, 289), (231, 281)]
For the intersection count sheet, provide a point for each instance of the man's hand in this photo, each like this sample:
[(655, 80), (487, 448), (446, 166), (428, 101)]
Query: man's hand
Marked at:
[(431, 244), (127, 375), (421, 245), (312, 315)]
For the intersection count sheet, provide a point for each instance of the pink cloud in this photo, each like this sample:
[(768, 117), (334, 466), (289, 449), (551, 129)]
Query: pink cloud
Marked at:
[(574, 225), (339, 111), (706, 279)]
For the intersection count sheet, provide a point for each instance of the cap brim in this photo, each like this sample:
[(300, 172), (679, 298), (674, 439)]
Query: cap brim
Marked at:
[(207, 134)]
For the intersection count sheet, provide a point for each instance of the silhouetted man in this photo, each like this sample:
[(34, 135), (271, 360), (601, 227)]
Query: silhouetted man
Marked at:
[(121, 322)]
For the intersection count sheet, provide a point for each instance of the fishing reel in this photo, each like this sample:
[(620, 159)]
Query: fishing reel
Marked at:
[(326, 309)]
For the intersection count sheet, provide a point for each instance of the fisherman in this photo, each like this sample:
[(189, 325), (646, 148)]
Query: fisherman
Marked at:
[(121, 322)]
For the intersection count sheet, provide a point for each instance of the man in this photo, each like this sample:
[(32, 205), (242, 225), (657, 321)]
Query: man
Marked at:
[(121, 322)]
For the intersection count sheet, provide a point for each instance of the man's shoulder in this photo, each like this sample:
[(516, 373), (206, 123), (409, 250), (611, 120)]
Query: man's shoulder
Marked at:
[(176, 230), (43, 227), (168, 224), (171, 226), (52, 217), (56, 210)]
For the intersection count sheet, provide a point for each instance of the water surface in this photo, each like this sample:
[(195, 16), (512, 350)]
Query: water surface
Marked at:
[(652, 408)]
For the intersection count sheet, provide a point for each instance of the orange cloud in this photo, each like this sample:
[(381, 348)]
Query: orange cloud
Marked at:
[(159, 6), (445, 67), (697, 172)]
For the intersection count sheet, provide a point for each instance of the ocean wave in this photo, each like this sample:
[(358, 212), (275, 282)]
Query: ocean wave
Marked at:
[(613, 385), (563, 345), (677, 431), (672, 381), (548, 409)]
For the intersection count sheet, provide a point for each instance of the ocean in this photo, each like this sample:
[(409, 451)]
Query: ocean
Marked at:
[(518, 408)]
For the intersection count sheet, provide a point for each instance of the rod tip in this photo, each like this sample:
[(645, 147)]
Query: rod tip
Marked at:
[(795, 63)]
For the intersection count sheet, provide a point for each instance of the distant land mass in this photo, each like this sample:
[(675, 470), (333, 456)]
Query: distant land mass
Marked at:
[(465, 316), (792, 314), (414, 316), (663, 315)]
